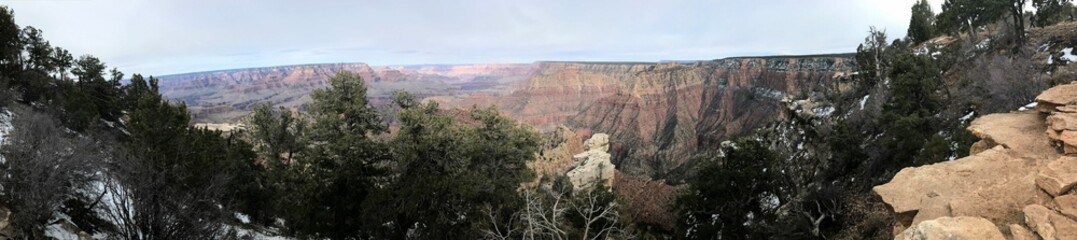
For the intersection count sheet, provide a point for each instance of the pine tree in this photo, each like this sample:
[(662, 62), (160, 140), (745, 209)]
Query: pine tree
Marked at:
[(922, 23)]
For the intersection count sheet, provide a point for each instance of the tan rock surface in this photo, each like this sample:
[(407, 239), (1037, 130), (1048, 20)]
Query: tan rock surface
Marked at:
[(993, 185), (1050, 225), (1019, 232), (1024, 132), (954, 228), (1057, 96), (1067, 205), (1062, 121), (1059, 177)]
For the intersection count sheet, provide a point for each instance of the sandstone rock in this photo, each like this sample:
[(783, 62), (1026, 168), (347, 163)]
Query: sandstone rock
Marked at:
[(593, 166), (1068, 140), (1024, 132), (1062, 121), (1067, 205), (1018, 232), (1057, 96), (1059, 177), (994, 184), (1049, 224), (947, 228)]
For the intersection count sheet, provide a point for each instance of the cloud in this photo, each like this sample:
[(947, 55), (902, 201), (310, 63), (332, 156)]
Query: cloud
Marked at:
[(172, 36)]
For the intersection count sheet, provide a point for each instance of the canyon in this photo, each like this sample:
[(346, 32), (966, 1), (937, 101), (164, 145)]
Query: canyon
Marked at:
[(658, 114)]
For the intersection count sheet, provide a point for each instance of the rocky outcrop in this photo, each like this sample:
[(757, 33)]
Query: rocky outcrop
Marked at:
[(954, 228), (1060, 104), (593, 166), (555, 157), (1015, 178)]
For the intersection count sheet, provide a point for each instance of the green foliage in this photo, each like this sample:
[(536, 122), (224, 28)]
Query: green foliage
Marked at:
[(449, 171), (278, 134), (922, 23), (10, 44), (1049, 12), (731, 197), (908, 115), (969, 15)]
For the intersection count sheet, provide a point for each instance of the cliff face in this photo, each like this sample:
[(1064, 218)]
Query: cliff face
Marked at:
[(227, 95), (663, 113), (657, 114)]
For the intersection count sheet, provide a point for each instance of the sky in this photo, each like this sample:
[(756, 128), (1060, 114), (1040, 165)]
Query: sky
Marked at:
[(159, 37)]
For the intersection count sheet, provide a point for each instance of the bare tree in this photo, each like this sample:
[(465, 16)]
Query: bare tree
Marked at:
[(558, 213), (143, 205), (42, 166)]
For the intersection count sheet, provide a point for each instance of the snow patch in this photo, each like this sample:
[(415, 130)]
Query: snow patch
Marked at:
[(826, 111), (968, 116), (243, 218), (863, 101), (1028, 106), (984, 44), (1067, 54)]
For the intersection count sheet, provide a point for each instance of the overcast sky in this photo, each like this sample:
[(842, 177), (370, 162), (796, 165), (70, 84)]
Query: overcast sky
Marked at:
[(173, 36)]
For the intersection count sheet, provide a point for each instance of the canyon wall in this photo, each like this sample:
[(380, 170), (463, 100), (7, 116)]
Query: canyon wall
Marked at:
[(227, 95), (658, 115)]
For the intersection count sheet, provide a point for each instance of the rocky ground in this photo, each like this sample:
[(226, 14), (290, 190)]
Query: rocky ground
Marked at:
[(1016, 184)]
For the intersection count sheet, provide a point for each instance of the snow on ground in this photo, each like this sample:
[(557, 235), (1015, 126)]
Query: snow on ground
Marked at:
[(968, 116), (1067, 54), (984, 44), (243, 218), (1028, 106), (57, 231), (863, 101), (5, 128)]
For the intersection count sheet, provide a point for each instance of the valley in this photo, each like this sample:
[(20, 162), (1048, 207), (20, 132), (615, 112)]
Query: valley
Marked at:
[(658, 114)]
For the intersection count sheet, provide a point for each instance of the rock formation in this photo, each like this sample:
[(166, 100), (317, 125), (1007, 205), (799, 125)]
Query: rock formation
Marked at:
[(227, 95), (593, 166), (659, 113), (1018, 177)]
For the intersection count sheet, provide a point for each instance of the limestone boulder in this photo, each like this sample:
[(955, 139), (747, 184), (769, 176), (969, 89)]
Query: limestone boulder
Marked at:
[(1048, 224), (1059, 177), (593, 166), (953, 228)]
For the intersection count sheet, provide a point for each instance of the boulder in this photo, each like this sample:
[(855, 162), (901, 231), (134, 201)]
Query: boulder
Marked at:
[(1018, 232), (1060, 121), (1067, 205), (1050, 225), (593, 166), (1057, 96), (953, 228), (1059, 177)]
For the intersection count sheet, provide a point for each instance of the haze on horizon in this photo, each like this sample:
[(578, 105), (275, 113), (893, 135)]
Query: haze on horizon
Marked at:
[(175, 36)]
